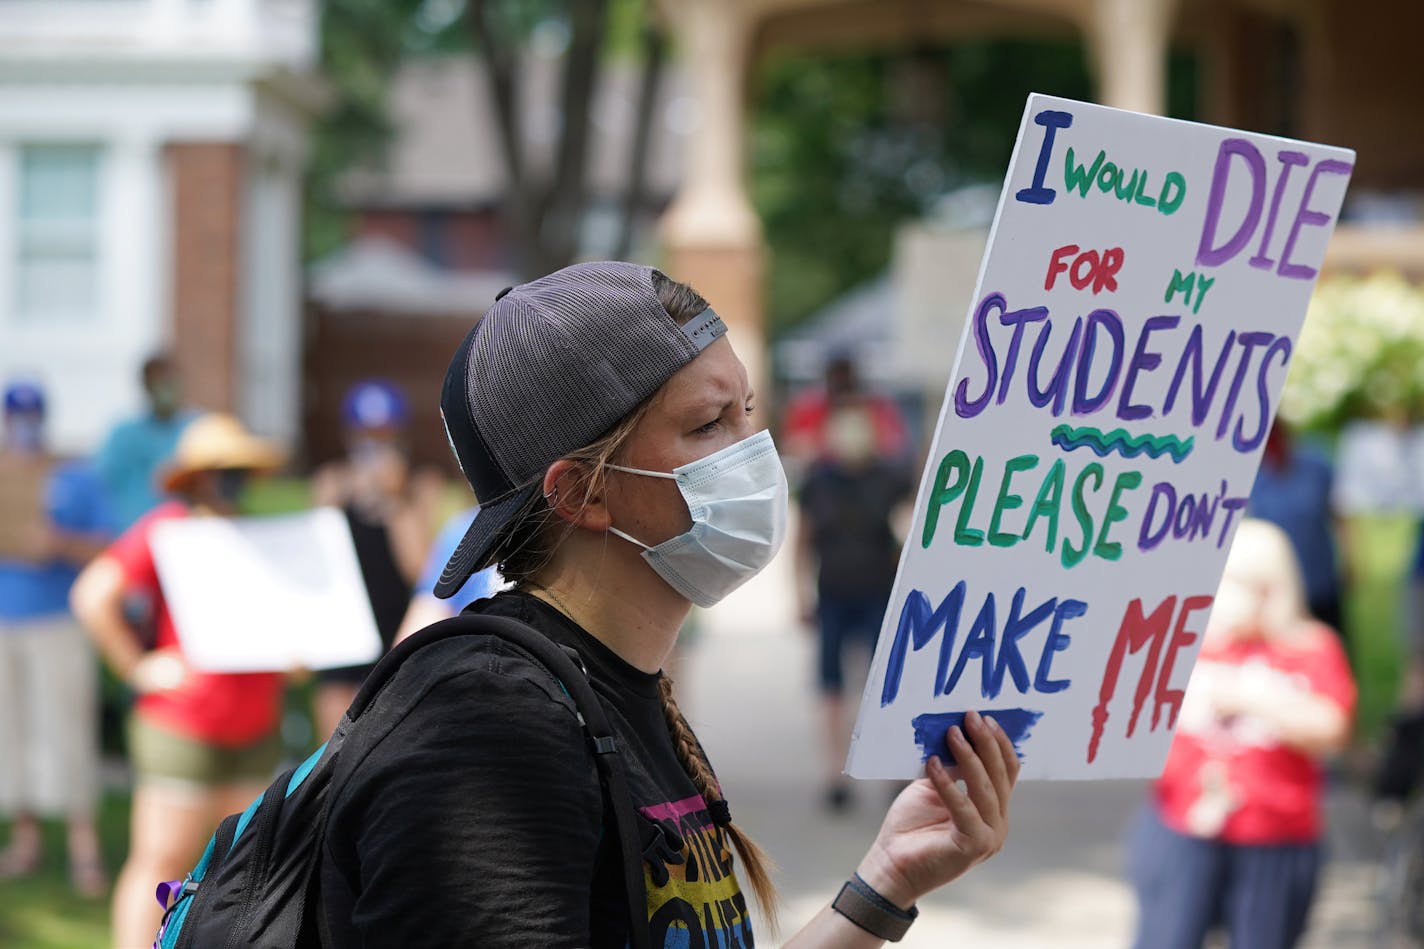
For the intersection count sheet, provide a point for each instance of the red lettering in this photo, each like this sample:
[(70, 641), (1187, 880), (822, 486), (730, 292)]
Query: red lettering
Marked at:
[(1181, 636), (1106, 278), (1136, 631), (1081, 276), (1087, 268), (1056, 265)]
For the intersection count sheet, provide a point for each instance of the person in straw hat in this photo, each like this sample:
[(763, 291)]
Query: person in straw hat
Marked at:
[(202, 745)]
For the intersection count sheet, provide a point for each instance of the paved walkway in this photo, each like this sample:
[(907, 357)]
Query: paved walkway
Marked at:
[(746, 687)]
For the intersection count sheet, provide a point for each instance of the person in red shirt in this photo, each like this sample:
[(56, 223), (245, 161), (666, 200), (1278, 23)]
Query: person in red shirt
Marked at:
[(807, 426), (202, 745), (1232, 836)]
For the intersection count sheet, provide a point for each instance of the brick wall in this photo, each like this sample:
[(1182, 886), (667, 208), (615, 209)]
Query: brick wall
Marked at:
[(207, 180)]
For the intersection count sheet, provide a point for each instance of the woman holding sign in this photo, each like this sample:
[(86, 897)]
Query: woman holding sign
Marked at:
[(1233, 835), (605, 425), (201, 744)]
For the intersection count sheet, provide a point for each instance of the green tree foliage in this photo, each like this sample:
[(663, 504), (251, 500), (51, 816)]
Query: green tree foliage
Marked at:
[(844, 148), (364, 42)]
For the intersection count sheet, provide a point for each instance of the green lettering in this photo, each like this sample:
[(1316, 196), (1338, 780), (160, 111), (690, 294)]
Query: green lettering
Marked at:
[(1124, 194), (1141, 198), (944, 492), (964, 536), (1169, 205), (1180, 284), (1108, 176), (1006, 501), (1074, 556), (1079, 176), (1203, 285), (1050, 498), (1126, 481)]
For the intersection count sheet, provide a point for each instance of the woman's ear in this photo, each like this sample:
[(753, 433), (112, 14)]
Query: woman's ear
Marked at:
[(575, 496)]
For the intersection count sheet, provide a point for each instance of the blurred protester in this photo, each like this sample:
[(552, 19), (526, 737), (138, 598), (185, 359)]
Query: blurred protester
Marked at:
[(1293, 491), (847, 499), (49, 747), (425, 607), (202, 745), (390, 511), (1402, 765), (1232, 836), (806, 425), (135, 448)]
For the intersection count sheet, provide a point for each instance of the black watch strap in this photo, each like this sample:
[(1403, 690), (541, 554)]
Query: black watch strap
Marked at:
[(859, 903)]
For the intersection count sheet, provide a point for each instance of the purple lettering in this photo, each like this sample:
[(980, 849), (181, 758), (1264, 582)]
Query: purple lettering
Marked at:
[(1306, 216), (1202, 396), (1146, 539), (1016, 319), (1248, 341), (1207, 255), (1288, 160), (963, 405), (1142, 360), (1109, 321), (1057, 390), (1263, 395)]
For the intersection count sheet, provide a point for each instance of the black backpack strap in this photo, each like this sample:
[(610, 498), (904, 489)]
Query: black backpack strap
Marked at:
[(574, 678)]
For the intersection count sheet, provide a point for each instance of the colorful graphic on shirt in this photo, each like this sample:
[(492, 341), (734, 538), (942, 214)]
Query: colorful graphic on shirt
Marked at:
[(700, 906)]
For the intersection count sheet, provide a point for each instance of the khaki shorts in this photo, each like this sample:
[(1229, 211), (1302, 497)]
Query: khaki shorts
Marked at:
[(158, 754)]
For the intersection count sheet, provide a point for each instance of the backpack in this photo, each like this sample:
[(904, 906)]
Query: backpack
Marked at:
[(256, 882)]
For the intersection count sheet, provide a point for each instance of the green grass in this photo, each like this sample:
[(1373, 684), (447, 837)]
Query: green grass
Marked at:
[(42, 912), (1382, 548)]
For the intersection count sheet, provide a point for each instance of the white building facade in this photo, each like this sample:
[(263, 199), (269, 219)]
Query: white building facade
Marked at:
[(151, 154)]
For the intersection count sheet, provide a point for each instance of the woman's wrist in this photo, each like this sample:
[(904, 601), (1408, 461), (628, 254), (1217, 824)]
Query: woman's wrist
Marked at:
[(879, 872)]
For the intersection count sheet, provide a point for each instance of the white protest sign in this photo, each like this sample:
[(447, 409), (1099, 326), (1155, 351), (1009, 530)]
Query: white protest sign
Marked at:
[(266, 593), (1128, 341)]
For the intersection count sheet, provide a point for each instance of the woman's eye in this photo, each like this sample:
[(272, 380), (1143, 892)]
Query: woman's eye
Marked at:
[(709, 428), (750, 408)]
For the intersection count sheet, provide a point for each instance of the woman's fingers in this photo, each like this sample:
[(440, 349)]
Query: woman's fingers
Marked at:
[(961, 808), (976, 778), (991, 757), (1011, 754), (997, 752)]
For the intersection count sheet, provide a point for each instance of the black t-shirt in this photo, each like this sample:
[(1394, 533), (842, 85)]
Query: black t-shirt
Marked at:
[(471, 812), (848, 512)]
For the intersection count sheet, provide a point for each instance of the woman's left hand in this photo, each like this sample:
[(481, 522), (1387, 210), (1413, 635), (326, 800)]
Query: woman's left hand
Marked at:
[(934, 832)]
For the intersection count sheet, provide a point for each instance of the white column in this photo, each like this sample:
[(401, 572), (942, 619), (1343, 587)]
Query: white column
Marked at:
[(711, 234), (712, 205), (1129, 41)]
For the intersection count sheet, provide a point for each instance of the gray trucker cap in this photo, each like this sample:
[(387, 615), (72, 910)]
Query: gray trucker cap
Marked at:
[(552, 366)]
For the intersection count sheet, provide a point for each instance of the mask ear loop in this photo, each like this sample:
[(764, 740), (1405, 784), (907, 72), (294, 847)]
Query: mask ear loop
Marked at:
[(667, 475), (630, 539)]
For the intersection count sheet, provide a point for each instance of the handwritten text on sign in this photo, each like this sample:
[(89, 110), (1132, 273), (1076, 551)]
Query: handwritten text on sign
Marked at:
[(1132, 330)]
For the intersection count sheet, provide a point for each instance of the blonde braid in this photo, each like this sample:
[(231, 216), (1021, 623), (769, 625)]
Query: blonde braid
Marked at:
[(689, 754)]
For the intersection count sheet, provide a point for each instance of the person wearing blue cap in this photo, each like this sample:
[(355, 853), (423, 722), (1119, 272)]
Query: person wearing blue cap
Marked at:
[(390, 511), (55, 520)]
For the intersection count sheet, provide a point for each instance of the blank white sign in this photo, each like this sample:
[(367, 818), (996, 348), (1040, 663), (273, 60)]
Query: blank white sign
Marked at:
[(266, 594)]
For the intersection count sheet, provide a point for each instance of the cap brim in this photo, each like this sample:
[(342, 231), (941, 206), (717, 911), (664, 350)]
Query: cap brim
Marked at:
[(480, 540)]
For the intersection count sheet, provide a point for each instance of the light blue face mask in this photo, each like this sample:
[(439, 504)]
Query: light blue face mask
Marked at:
[(737, 498)]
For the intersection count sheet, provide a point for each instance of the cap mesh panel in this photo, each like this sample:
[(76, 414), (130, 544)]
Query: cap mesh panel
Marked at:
[(559, 360)]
